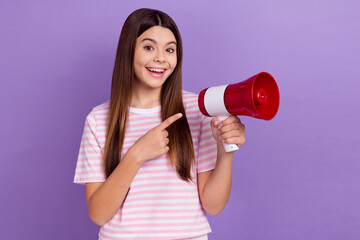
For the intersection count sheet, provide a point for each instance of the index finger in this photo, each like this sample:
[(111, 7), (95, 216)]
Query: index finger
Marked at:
[(167, 122), (230, 119)]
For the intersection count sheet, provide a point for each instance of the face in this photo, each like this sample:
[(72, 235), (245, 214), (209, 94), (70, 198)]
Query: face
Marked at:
[(155, 57)]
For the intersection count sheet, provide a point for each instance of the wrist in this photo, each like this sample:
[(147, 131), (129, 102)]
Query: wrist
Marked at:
[(134, 155), (222, 153)]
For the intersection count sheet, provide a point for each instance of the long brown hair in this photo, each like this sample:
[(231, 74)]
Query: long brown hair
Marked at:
[(181, 150)]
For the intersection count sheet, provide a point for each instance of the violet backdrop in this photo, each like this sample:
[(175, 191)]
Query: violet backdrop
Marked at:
[(297, 177)]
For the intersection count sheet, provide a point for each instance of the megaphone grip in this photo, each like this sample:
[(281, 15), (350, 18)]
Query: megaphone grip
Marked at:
[(227, 146)]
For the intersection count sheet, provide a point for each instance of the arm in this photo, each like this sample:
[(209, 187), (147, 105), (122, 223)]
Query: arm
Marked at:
[(104, 199), (215, 185)]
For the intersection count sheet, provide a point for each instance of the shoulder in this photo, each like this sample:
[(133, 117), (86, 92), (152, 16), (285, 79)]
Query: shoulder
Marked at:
[(102, 107), (189, 97), (99, 112), (188, 94), (190, 101)]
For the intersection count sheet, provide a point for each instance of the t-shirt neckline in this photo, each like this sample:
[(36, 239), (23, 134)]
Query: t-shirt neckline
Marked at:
[(145, 110)]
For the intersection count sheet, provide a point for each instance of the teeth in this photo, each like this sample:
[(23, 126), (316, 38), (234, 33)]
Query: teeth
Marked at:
[(156, 70)]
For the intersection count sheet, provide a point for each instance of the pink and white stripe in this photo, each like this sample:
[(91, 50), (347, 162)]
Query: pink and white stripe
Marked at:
[(159, 205)]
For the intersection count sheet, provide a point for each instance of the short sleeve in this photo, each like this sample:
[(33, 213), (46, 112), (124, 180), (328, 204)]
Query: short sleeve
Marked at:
[(207, 151), (89, 167)]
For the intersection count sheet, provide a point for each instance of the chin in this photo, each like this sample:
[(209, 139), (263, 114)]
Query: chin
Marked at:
[(156, 83)]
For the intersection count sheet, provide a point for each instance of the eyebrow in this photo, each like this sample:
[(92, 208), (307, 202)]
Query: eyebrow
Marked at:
[(152, 40)]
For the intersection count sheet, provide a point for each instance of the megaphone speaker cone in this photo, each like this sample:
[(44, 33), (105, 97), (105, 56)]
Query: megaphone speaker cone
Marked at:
[(265, 82), (256, 97)]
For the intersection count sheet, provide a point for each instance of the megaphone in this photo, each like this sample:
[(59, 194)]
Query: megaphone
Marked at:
[(256, 97)]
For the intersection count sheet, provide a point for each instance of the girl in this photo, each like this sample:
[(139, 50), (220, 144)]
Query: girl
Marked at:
[(152, 163)]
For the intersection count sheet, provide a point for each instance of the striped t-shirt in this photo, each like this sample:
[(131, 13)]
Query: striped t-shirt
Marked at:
[(159, 205)]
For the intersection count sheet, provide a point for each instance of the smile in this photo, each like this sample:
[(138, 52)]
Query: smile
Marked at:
[(157, 70)]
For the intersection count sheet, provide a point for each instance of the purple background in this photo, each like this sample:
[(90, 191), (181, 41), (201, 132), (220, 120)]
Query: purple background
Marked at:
[(297, 176)]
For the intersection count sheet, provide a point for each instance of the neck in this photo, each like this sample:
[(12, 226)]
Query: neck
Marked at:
[(145, 98)]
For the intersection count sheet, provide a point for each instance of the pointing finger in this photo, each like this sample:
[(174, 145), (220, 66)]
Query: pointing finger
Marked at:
[(167, 122)]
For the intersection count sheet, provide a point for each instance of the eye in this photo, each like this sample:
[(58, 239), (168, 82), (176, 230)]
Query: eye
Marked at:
[(170, 50), (149, 48)]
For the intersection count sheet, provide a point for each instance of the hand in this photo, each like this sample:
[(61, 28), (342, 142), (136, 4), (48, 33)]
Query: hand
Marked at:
[(231, 131), (155, 142)]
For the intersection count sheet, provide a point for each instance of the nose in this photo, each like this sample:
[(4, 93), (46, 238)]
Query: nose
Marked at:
[(159, 57)]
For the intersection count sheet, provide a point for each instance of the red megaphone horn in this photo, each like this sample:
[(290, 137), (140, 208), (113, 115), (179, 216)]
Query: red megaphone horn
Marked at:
[(256, 97)]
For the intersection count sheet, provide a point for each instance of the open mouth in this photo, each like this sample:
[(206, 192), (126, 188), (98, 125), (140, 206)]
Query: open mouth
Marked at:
[(156, 72)]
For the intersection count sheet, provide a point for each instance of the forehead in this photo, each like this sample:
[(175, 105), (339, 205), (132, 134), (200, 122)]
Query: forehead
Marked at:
[(160, 34)]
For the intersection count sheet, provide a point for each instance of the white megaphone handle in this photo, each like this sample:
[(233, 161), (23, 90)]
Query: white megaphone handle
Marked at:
[(227, 146)]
